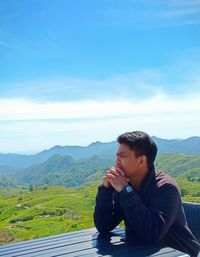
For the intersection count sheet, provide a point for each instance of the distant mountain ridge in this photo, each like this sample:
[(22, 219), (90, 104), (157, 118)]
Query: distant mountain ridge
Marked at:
[(105, 150), (190, 145), (57, 170), (65, 171)]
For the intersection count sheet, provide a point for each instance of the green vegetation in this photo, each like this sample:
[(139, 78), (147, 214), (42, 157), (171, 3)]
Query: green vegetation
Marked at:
[(57, 171), (48, 211), (185, 169), (45, 211), (6, 183), (177, 164), (34, 211)]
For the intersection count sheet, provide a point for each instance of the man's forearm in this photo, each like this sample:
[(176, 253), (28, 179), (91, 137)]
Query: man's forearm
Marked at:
[(104, 217)]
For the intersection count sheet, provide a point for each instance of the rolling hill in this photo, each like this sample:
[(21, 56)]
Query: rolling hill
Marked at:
[(105, 150), (58, 170), (65, 171)]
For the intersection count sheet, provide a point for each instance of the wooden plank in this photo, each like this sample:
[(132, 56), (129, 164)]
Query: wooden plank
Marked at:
[(49, 238), (125, 252), (68, 243), (84, 243), (52, 250), (53, 239), (46, 243), (115, 248)]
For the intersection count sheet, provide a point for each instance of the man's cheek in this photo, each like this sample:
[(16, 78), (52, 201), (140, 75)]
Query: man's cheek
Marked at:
[(119, 166)]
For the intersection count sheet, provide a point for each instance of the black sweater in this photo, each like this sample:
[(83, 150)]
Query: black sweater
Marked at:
[(154, 214)]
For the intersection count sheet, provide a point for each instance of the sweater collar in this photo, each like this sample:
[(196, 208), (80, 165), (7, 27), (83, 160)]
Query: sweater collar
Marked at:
[(148, 179)]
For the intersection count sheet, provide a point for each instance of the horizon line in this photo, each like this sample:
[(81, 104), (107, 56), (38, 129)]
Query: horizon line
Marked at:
[(30, 153)]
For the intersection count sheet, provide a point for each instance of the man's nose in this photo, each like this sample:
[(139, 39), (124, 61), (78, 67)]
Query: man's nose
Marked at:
[(117, 161)]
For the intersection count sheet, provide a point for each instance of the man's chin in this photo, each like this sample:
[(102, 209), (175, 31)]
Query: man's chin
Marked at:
[(125, 174)]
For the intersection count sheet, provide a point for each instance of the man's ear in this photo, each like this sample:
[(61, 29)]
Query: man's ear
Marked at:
[(142, 160)]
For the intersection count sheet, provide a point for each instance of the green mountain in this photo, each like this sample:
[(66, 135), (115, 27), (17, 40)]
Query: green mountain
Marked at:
[(192, 175), (63, 170), (105, 150), (5, 170), (177, 164), (38, 208), (190, 145), (6, 183)]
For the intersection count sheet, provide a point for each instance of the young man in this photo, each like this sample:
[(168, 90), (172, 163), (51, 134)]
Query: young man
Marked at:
[(148, 201)]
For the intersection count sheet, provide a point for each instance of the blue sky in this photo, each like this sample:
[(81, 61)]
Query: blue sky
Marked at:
[(73, 72)]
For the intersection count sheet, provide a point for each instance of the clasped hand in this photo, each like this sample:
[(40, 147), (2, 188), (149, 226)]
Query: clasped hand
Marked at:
[(115, 177)]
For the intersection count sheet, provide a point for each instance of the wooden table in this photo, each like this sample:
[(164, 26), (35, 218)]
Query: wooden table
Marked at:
[(84, 243)]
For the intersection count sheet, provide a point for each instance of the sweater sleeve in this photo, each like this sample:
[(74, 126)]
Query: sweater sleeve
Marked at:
[(107, 214), (152, 222)]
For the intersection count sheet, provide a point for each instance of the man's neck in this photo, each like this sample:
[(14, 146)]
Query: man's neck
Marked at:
[(137, 179)]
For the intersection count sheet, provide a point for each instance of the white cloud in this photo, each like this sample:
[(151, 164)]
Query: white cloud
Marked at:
[(30, 126), (163, 102), (180, 12), (18, 109), (168, 13), (178, 77)]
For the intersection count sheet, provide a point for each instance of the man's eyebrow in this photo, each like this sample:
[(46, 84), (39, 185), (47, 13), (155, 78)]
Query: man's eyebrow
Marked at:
[(120, 153)]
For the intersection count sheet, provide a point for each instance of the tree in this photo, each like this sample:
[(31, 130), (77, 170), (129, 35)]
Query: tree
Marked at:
[(31, 188)]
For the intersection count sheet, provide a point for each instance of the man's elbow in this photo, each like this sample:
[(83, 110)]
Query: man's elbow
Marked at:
[(102, 229)]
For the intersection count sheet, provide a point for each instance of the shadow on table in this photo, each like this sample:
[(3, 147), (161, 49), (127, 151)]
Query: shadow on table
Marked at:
[(116, 246)]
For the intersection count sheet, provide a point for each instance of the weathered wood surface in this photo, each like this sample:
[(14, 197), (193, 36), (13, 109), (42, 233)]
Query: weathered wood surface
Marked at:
[(84, 243)]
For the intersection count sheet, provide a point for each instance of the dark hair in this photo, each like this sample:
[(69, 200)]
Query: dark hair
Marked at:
[(141, 143)]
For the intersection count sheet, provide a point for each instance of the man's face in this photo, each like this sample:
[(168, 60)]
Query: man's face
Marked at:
[(127, 161)]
